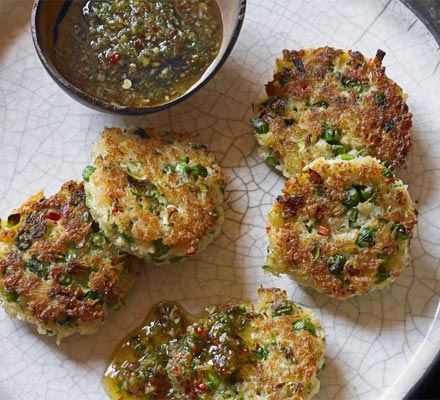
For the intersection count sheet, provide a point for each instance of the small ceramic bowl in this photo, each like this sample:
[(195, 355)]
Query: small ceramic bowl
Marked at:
[(47, 13)]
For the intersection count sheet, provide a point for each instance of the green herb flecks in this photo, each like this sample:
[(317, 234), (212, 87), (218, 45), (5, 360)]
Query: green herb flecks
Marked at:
[(160, 249), (352, 198), (353, 214), (339, 149), (272, 161), (336, 264), (9, 295), (382, 275), (88, 172), (348, 84), (381, 100), (331, 135), (37, 267), (320, 103), (260, 125), (306, 324), (261, 352), (347, 157), (284, 309), (366, 238), (213, 380), (387, 172), (400, 232)]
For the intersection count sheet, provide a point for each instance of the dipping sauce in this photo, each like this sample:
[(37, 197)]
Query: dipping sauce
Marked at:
[(137, 369), (272, 348), (151, 361), (137, 53)]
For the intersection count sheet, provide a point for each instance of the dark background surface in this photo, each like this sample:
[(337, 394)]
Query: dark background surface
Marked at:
[(428, 387)]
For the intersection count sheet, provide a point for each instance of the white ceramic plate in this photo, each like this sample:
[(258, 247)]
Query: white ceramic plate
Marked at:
[(378, 345)]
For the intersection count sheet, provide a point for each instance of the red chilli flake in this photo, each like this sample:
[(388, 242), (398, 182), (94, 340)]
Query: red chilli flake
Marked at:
[(323, 231), (53, 216), (116, 210), (114, 58), (199, 331), (268, 229)]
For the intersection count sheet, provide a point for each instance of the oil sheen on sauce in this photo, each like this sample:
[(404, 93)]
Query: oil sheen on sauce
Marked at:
[(175, 356), (137, 53)]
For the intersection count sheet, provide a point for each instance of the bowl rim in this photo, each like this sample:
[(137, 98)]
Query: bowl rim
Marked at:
[(102, 105)]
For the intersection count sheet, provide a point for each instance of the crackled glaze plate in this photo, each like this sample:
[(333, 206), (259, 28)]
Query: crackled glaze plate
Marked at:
[(378, 344)]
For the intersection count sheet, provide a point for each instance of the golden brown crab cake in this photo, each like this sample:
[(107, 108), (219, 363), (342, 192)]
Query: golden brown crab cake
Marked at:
[(271, 349), (57, 269), (156, 196), (331, 103), (341, 227)]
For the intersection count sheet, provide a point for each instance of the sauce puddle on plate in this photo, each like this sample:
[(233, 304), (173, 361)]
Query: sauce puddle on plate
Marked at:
[(137, 53), (137, 368)]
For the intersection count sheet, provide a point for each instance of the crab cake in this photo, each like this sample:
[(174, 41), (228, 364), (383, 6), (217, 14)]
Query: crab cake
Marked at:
[(327, 103), (272, 349), (57, 269), (156, 196), (342, 227)]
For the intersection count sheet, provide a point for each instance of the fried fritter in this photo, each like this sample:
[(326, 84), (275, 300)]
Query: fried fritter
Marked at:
[(156, 196), (331, 103), (341, 227), (57, 269)]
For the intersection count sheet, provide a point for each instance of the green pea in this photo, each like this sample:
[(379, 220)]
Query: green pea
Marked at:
[(400, 232), (260, 125), (199, 170), (366, 238), (272, 161), (87, 172), (352, 198), (331, 135), (336, 264)]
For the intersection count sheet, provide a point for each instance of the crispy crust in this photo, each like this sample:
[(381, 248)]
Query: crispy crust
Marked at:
[(53, 272), (309, 224), (271, 355), (366, 106), (184, 213)]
